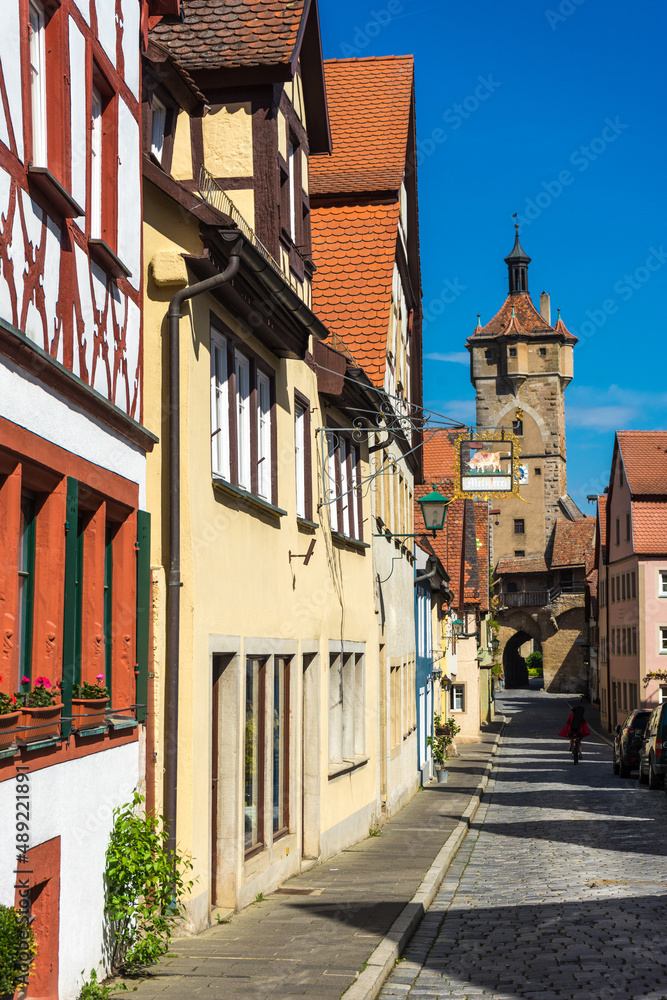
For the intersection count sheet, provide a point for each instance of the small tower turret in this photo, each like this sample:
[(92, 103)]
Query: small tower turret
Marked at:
[(517, 265)]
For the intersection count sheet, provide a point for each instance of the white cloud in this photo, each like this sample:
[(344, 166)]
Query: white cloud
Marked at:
[(600, 418), (455, 357), (463, 410)]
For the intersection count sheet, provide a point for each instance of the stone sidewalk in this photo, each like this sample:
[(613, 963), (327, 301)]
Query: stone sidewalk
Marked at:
[(339, 926)]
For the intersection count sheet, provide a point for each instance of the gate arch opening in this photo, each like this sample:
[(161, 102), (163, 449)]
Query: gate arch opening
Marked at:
[(514, 658)]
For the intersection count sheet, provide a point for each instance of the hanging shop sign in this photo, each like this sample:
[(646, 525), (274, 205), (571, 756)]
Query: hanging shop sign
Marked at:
[(487, 465)]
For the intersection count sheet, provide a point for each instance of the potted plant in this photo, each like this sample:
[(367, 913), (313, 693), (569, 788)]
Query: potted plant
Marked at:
[(89, 702), (439, 745), (10, 713), (17, 951), (42, 709)]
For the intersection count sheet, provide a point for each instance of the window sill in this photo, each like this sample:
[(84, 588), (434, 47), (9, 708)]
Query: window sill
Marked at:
[(120, 722), (103, 255), (305, 525), (344, 541), (253, 852), (41, 744), (83, 734), (347, 766), (53, 192), (254, 501)]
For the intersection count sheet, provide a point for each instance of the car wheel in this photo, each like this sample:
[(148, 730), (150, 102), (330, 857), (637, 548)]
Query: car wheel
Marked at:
[(624, 769), (643, 779), (654, 780)]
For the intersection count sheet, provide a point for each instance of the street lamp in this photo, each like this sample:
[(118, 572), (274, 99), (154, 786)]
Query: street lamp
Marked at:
[(495, 644), (434, 508)]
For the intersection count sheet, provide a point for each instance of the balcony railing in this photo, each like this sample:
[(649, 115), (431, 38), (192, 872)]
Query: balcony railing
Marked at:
[(538, 598)]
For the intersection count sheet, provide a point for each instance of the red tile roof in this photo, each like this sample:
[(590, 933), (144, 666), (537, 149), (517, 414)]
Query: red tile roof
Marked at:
[(571, 539), (232, 33), (518, 317), (369, 109), (602, 525), (354, 247), (645, 461), (438, 452), (649, 527), (528, 564)]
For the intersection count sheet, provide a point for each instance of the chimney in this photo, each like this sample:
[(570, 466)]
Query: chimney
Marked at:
[(545, 307)]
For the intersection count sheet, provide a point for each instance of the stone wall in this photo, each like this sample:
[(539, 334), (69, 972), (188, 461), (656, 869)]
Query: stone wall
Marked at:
[(559, 628)]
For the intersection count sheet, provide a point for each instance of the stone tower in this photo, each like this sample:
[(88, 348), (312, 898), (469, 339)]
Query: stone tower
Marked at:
[(520, 365)]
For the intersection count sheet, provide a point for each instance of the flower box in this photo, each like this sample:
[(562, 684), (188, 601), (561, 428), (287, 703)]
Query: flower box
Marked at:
[(7, 723), (88, 713), (47, 718)]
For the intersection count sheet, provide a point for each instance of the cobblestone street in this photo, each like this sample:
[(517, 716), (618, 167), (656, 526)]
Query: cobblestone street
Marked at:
[(558, 890)]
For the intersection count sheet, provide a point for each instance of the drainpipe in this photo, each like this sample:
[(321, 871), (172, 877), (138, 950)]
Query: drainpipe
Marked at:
[(174, 577), (425, 576)]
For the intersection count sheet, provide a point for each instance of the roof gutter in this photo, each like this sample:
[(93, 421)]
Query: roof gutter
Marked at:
[(174, 576)]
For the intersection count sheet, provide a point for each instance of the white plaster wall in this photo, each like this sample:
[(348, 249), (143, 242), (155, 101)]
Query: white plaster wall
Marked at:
[(75, 801), (26, 402), (84, 8), (77, 71), (130, 44), (10, 58), (129, 193), (106, 26)]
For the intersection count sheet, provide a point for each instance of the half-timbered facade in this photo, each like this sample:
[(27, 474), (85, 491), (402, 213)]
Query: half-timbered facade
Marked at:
[(74, 534)]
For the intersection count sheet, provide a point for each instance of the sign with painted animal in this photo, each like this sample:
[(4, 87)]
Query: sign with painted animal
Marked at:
[(487, 465)]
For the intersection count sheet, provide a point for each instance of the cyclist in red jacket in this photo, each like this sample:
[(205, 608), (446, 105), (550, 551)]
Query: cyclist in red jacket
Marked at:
[(575, 725)]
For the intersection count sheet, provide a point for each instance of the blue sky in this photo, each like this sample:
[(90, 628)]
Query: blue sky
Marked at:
[(561, 117)]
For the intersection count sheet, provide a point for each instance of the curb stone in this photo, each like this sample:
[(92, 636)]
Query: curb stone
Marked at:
[(381, 962)]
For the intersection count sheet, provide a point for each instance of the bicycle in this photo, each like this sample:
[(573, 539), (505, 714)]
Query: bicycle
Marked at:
[(575, 746)]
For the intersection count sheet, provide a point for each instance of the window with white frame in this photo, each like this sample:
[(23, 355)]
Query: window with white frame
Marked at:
[(662, 585), (662, 693), (291, 154), (302, 458), (347, 739), (220, 459), (158, 127), (242, 444), (663, 639), (457, 699), (342, 487), (38, 83), (263, 436)]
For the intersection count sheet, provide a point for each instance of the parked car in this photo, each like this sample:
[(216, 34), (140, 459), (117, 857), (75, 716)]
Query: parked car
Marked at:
[(653, 753), (628, 742)]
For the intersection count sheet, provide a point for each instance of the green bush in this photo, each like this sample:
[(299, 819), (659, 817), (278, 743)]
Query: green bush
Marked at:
[(534, 661), (145, 886), (17, 950)]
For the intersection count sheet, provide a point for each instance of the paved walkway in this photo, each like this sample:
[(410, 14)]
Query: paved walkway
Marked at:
[(314, 944), (559, 888)]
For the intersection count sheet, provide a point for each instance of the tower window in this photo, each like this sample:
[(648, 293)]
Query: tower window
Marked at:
[(543, 351), (517, 427), (512, 352), (519, 553), (538, 472), (519, 526), (488, 354)]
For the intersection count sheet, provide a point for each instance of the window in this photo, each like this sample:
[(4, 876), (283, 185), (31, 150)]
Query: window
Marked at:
[(108, 606), (662, 694), (543, 351), (263, 436), (242, 375), (254, 751), (627, 527), (158, 127), (291, 153), (634, 640), (623, 586), (662, 590), (512, 352), (302, 459), (511, 588), (625, 696), (663, 640), (347, 738), (538, 472), (603, 649), (38, 83), (26, 571), (96, 165), (219, 407), (457, 698), (634, 584), (625, 649), (519, 526), (618, 531), (613, 642), (613, 589), (281, 675), (395, 704), (517, 427), (519, 553), (342, 490)]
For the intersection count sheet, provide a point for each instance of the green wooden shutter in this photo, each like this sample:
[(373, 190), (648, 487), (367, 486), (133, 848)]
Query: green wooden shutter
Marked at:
[(143, 610), (70, 615)]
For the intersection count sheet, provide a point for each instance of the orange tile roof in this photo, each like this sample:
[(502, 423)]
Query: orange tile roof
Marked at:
[(369, 104), (438, 452), (518, 317), (649, 527), (476, 568), (571, 539), (645, 461), (231, 33), (602, 525), (354, 247), (528, 564)]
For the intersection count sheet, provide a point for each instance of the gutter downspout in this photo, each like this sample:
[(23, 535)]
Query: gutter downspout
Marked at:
[(425, 576), (174, 577)]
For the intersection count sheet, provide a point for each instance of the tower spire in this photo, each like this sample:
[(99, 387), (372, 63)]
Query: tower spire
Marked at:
[(517, 265)]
